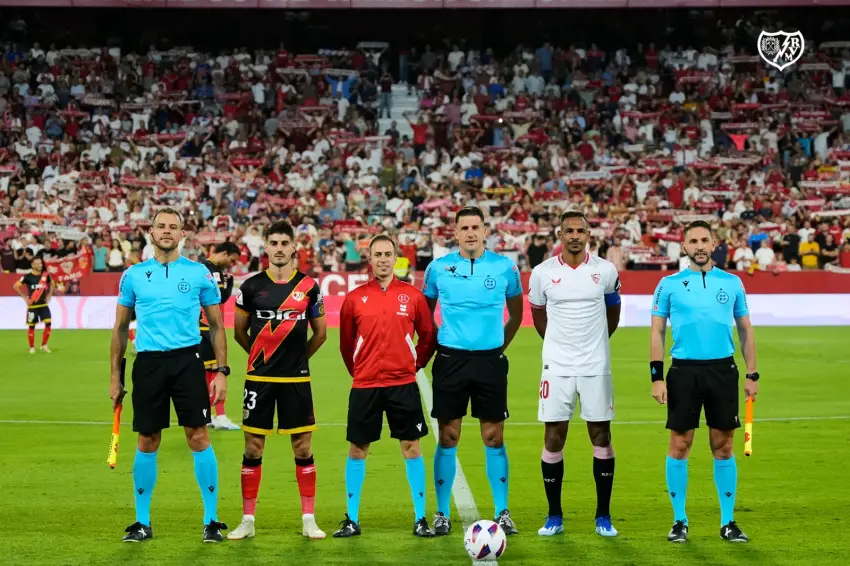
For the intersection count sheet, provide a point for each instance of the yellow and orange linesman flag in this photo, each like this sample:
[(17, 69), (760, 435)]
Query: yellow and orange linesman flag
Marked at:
[(748, 427), (112, 458)]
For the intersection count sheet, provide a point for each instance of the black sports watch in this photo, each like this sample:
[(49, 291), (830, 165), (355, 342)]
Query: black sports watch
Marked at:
[(753, 376), (223, 369)]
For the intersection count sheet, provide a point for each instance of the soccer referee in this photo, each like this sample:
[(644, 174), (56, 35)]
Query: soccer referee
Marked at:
[(472, 286), (701, 303), (167, 293)]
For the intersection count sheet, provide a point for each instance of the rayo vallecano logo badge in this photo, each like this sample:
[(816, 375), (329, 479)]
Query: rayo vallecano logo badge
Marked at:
[(781, 49)]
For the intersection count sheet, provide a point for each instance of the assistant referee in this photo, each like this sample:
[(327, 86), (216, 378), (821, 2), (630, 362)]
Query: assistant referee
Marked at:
[(702, 303), (472, 286), (167, 293)]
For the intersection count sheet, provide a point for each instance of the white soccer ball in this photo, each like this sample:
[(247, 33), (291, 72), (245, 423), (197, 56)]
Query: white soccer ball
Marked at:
[(485, 540)]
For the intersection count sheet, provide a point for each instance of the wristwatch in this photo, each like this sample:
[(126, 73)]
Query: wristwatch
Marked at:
[(753, 376), (223, 369)]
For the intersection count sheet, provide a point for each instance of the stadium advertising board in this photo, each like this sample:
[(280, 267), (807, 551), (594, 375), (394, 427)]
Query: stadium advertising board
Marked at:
[(765, 310), (633, 283), (818, 299), (408, 4)]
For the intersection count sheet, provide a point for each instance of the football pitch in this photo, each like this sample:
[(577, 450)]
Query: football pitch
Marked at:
[(61, 504)]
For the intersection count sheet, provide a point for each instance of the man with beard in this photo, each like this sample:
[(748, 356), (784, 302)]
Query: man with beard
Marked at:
[(167, 293), (575, 305), (224, 255), (36, 288), (273, 311), (701, 302)]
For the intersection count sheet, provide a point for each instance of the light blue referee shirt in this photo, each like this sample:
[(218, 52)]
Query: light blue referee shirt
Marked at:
[(472, 297), (168, 300), (702, 307)]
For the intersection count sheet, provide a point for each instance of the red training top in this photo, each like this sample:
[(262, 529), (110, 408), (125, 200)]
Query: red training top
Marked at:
[(376, 334)]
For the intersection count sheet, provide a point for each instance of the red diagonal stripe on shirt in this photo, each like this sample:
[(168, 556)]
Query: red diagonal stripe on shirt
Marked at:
[(39, 293), (268, 340)]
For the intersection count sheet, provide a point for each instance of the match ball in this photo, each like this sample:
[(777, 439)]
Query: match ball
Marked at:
[(485, 540)]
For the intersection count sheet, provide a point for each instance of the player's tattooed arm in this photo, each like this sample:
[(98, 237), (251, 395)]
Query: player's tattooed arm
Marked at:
[(21, 290), (217, 333), (50, 292), (117, 349)]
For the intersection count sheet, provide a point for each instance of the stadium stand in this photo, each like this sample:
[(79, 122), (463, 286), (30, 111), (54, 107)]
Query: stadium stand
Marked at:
[(349, 143)]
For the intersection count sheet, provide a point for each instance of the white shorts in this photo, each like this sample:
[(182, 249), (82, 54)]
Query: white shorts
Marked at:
[(558, 397)]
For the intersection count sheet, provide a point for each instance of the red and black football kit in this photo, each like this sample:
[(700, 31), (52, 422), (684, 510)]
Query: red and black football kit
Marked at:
[(278, 368)]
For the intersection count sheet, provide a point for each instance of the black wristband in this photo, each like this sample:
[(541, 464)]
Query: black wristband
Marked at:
[(656, 371)]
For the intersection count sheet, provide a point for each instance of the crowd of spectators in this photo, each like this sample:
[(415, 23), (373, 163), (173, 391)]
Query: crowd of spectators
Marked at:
[(641, 139)]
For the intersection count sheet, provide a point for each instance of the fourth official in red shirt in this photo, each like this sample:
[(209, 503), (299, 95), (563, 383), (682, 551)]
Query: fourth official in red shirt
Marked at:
[(377, 324)]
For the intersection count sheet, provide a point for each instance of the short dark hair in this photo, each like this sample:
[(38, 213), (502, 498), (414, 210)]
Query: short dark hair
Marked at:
[(469, 211), (280, 227), (228, 247), (382, 238), (167, 210), (574, 214), (696, 224)]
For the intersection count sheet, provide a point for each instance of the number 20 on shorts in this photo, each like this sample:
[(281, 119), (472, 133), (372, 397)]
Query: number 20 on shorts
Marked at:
[(544, 389)]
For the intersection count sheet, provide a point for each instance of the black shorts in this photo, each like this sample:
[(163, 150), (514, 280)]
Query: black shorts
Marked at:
[(694, 384), (38, 314), (461, 376), (294, 402), (401, 403), (160, 377), (206, 350)]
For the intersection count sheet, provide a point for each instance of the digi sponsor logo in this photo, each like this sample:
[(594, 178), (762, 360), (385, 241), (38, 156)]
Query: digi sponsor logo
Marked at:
[(289, 315)]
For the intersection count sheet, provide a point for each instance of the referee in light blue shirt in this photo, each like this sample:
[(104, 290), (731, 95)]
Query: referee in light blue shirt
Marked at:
[(702, 303), (167, 294), (472, 286)]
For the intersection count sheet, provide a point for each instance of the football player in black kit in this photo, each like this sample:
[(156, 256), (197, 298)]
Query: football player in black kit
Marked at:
[(36, 288), (224, 255)]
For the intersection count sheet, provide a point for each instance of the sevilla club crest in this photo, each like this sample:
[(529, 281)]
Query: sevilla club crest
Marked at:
[(781, 49), (596, 278)]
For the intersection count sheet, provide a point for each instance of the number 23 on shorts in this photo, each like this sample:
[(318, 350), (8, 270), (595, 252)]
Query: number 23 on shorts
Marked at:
[(249, 399)]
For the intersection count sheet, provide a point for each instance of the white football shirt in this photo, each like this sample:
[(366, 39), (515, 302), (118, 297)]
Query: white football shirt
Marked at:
[(576, 342)]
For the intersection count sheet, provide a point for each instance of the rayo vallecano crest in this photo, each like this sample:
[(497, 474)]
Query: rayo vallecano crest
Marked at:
[(781, 49)]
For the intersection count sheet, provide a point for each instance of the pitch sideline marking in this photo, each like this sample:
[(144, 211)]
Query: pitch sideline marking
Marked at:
[(466, 507), (469, 424)]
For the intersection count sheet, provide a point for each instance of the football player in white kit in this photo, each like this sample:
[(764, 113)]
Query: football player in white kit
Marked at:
[(575, 304)]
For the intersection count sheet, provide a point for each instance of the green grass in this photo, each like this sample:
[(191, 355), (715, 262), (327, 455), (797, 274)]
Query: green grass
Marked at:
[(60, 503)]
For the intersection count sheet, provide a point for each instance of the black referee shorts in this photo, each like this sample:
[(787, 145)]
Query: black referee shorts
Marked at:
[(177, 376), (694, 384), (461, 377)]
